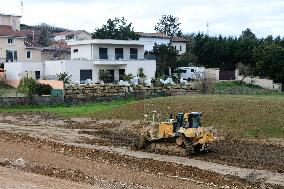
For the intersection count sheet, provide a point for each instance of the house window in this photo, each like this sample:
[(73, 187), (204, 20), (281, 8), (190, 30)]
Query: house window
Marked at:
[(29, 54), (86, 75), (10, 41), (75, 50), (69, 37), (133, 53), (118, 53), (103, 53), (11, 56)]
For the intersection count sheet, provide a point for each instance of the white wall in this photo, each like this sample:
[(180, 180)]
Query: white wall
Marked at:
[(84, 52), (111, 51), (73, 68), (149, 43), (179, 45), (50, 69), (10, 20), (13, 70), (17, 70), (264, 83), (148, 65), (212, 73), (91, 52)]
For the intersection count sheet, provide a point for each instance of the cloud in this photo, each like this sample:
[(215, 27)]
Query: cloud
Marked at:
[(227, 17)]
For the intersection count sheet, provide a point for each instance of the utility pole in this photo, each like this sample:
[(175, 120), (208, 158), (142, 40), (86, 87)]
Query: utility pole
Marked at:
[(22, 7), (207, 26)]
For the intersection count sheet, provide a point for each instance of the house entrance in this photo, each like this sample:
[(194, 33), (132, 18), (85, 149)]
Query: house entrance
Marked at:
[(111, 78), (121, 73)]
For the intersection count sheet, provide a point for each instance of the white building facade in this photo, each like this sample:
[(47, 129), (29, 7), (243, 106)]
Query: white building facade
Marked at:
[(150, 39), (88, 57), (72, 36)]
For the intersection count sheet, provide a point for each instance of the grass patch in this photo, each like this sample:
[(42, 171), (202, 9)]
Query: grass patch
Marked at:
[(259, 116), (236, 87), (222, 85), (8, 91), (69, 111), (235, 115)]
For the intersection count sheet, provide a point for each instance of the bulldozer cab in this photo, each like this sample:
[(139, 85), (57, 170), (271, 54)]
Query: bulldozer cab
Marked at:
[(194, 119)]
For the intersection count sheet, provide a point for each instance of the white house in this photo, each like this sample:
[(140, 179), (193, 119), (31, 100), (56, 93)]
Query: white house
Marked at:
[(72, 36), (149, 40), (88, 57)]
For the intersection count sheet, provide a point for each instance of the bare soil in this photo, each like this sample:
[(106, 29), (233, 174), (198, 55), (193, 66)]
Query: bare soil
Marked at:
[(40, 131)]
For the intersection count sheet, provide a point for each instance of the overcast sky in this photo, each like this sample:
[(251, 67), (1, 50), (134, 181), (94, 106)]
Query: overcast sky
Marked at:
[(226, 17)]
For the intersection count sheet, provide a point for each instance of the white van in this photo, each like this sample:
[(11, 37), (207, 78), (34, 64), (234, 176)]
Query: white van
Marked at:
[(190, 73)]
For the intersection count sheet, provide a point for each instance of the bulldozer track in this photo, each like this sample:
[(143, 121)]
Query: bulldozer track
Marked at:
[(168, 146)]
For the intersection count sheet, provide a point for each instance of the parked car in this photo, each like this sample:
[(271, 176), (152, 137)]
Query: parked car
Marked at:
[(190, 73)]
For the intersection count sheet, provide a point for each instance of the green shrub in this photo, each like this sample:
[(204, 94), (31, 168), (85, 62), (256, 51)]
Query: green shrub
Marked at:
[(43, 89), (127, 77), (65, 77), (28, 86), (105, 76)]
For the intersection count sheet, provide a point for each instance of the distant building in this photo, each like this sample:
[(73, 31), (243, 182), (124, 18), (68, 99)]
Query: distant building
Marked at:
[(88, 57), (10, 20), (72, 36), (57, 51), (14, 45), (149, 40)]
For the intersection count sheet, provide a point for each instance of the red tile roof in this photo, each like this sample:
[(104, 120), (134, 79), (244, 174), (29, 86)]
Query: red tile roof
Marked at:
[(60, 45), (155, 35), (162, 35), (7, 31), (178, 39)]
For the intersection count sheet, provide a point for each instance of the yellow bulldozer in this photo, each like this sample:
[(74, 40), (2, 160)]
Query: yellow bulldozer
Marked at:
[(183, 135)]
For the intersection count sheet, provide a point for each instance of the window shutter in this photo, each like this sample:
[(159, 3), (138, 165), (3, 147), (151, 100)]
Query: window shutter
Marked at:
[(15, 56)]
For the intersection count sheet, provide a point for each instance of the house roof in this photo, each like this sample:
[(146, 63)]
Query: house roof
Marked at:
[(60, 45), (106, 41), (163, 36), (178, 39), (1, 14), (154, 35), (7, 31), (66, 33), (32, 45)]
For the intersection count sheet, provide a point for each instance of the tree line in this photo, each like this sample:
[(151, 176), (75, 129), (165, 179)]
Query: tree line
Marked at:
[(262, 57)]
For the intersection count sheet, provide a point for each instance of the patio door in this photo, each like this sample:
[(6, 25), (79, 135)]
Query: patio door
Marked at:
[(85, 75)]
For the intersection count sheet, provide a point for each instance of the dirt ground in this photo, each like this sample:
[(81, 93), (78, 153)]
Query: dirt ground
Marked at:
[(48, 145), (11, 178)]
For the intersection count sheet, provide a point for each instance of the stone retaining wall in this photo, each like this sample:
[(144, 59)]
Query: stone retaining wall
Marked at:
[(37, 100), (88, 91)]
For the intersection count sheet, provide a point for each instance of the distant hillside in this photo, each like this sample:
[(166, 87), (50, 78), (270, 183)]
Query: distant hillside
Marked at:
[(52, 29)]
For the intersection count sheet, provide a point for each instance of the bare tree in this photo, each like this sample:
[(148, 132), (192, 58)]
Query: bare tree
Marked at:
[(245, 70)]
